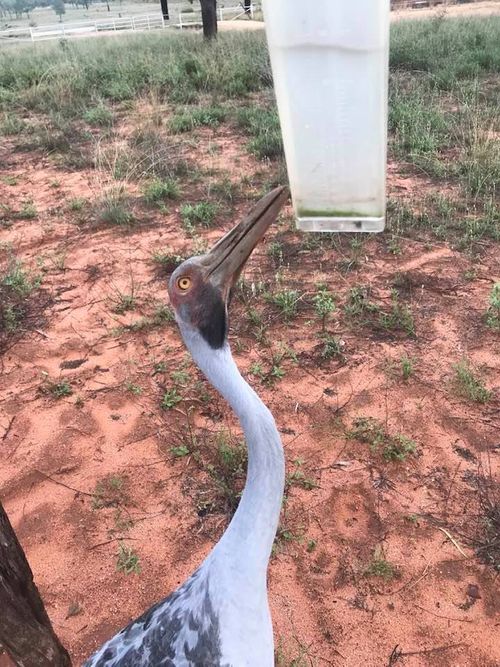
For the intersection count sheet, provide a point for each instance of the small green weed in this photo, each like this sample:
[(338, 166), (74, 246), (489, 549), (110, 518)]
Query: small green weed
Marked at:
[(225, 190), (99, 116), (11, 124), (18, 280), (468, 384), (398, 448), (56, 388), (324, 304), (393, 447), (263, 125), (127, 560), (201, 214), (399, 317), (275, 370), (179, 451), (285, 656), (134, 389), (197, 117), (181, 377), (332, 347), (170, 399), (124, 303), (229, 469), (28, 210), (297, 477), (493, 312), (407, 367), (16, 286), (160, 189), (77, 204), (167, 261), (379, 566), (287, 301), (275, 250), (108, 492), (358, 304), (311, 546), (114, 209)]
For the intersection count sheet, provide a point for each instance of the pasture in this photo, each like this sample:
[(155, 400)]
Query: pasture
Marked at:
[(379, 355)]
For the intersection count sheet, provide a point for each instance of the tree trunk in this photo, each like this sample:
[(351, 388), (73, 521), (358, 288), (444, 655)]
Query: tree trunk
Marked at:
[(25, 629), (209, 18), (164, 9)]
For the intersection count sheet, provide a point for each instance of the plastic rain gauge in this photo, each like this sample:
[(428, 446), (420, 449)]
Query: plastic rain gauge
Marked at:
[(330, 68)]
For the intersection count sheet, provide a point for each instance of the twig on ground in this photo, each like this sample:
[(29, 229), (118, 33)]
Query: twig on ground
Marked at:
[(66, 486), (453, 541), (7, 430), (447, 618)]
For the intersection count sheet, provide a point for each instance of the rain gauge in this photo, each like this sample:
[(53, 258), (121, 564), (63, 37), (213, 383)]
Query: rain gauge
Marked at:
[(330, 66)]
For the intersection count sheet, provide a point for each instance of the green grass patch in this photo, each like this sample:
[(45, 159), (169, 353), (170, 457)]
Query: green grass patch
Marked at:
[(159, 190), (114, 209), (393, 448), (263, 126), (17, 287), (201, 214), (100, 116), (493, 311), (190, 119), (468, 383)]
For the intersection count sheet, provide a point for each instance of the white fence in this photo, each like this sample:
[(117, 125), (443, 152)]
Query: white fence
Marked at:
[(193, 18), (84, 28), (115, 25)]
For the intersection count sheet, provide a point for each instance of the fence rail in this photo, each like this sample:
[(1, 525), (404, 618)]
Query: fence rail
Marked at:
[(417, 4), (84, 28), (193, 18), (114, 25)]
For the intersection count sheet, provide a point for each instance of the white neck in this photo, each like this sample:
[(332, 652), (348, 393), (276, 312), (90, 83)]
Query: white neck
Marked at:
[(249, 537)]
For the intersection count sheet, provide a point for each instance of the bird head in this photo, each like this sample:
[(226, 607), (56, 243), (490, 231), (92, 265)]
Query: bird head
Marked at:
[(200, 287)]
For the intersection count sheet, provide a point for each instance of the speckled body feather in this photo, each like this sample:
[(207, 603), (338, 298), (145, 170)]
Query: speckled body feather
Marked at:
[(182, 630)]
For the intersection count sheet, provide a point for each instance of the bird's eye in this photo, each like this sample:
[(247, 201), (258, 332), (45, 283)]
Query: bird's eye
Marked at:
[(184, 283)]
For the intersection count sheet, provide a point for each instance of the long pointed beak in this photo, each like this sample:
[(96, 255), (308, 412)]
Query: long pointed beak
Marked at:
[(227, 258)]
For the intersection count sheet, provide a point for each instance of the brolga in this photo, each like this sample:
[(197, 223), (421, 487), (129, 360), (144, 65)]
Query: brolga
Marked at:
[(220, 616)]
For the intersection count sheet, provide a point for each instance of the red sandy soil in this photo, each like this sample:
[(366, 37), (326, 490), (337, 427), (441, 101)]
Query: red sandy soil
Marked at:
[(325, 607)]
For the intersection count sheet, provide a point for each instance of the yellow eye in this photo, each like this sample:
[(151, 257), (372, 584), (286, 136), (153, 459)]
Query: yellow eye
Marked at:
[(184, 283)]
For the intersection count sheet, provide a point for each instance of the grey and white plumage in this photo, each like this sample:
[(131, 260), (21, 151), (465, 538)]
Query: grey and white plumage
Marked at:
[(220, 616)]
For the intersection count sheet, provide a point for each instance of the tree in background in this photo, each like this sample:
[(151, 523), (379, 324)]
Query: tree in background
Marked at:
[(209, 18), (20, 7), (59, 8)]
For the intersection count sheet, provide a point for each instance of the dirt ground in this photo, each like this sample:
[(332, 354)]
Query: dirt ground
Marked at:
[(437, 602), (489, 8)]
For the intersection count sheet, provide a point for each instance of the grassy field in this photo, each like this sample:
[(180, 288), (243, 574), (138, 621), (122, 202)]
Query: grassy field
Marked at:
[(378, 355)]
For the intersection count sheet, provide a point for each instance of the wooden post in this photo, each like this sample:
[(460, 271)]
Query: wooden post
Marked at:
[(25, 629)]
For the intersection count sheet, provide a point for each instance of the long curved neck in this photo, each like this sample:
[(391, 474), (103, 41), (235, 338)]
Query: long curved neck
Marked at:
[(249, 537)]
